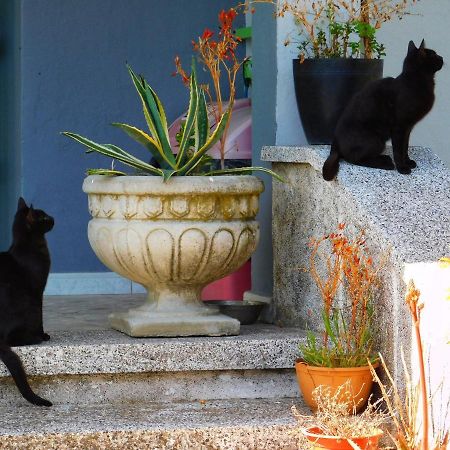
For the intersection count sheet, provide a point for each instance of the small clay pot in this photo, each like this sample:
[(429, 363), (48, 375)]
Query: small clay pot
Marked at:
[(310, 377), (321, 441)]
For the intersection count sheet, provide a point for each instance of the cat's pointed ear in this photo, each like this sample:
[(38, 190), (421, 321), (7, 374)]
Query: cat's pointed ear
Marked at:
[(21, 204), (422, 45), (411, 47), (30, 216)]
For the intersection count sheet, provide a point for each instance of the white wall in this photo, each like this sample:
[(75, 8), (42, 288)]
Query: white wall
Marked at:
[(289, 129), (430, 21)]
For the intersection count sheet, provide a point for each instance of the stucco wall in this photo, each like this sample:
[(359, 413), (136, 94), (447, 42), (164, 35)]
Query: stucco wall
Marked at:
[(430, 21)]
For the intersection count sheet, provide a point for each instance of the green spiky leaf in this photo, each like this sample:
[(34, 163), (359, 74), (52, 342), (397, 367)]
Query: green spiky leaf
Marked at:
[(112, 151), (144, 139)]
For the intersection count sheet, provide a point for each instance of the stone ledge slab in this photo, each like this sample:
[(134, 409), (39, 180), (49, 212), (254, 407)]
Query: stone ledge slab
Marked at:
[(156, 387), (231, 424), (107, 351), (409, 211)]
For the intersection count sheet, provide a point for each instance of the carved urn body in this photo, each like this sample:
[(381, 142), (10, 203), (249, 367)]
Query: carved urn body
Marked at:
[(174, 238)]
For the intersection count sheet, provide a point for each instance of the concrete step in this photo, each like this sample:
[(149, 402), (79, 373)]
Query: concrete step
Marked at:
[(217, 424), (98, 365)]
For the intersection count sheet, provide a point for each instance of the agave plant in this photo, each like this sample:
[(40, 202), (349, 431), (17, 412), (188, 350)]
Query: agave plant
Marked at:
[(196, 137)]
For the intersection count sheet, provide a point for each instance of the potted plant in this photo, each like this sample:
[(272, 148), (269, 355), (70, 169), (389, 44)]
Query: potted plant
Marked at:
[(334, 426), (177, 231), (338, 53), (217, 53), (340, 262)]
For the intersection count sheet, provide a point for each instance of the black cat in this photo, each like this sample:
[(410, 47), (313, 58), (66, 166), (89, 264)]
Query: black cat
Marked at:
[(386, 109), (24, 270)]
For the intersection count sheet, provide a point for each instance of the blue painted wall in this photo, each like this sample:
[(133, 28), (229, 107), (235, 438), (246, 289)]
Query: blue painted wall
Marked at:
[(263, 133), (73, 77), (9, 116)]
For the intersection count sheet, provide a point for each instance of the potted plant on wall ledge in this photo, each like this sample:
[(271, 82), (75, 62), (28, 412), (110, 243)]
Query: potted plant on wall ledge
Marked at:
[(177, 231), (338, 53), (340, 262)]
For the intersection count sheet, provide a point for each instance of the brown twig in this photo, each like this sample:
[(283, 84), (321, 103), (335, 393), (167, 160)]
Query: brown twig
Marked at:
[(412, 300)]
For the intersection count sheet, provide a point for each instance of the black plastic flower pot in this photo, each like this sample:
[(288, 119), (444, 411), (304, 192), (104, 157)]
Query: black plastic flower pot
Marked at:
[(323, 87)]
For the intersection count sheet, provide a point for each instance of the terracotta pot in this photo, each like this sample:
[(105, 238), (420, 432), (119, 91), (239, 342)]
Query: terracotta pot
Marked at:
[(322, 441), (310, 377)]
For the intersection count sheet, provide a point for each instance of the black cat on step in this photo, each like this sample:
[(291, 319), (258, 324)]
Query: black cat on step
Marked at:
[(386, 109), (24, 270)]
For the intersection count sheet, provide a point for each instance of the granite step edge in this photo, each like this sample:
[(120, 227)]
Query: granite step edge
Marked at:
[(108, 351), (155, 387), (224, 424)]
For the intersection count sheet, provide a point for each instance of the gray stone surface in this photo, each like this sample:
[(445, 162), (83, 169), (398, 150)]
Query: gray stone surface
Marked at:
[(85, 312), (406, 217), (82, 342), (97, 351), (411, 212), (123, 388), (113, 391), (205, 321), (225, 424)]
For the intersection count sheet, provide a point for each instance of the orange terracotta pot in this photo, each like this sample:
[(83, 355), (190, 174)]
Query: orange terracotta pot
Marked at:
[(309, 377), (321, 441)]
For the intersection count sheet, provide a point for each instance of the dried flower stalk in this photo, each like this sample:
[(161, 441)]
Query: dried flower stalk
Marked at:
[(345, 263), (335, 418), (410, 434), (217, 53), (328, 27)]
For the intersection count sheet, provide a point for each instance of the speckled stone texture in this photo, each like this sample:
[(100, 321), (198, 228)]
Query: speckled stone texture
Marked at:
[(93, 352), (111, 391), (88, 362), (405, 215), (224, 424)]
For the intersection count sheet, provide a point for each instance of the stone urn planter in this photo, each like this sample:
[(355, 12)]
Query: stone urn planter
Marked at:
[(174, 238)]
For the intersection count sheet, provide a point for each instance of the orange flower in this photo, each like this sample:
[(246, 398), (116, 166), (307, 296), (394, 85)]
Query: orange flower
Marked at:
[(207, 34)]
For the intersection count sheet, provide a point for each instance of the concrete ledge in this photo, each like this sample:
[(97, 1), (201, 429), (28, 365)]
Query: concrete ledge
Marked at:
[(411, 212), (227, 424), (102, 351), (149, 387)]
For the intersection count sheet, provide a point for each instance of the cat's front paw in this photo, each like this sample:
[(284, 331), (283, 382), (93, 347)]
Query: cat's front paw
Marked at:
[(386, 162), (405, 170), (45, 337), (411, 164)]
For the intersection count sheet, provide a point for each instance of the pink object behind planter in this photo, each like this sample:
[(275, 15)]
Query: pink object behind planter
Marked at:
[(232, 287), (239, 138), (239, 146)]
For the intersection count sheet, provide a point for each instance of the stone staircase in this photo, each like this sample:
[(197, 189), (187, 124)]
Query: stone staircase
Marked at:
[(113, 391)]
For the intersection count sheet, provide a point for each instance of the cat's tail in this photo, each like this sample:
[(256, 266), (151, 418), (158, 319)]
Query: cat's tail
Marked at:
[(15, 367), (331, 165)]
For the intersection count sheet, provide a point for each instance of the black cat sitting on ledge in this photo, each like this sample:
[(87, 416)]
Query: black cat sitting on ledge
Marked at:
[(386, 109), (24, 270)]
